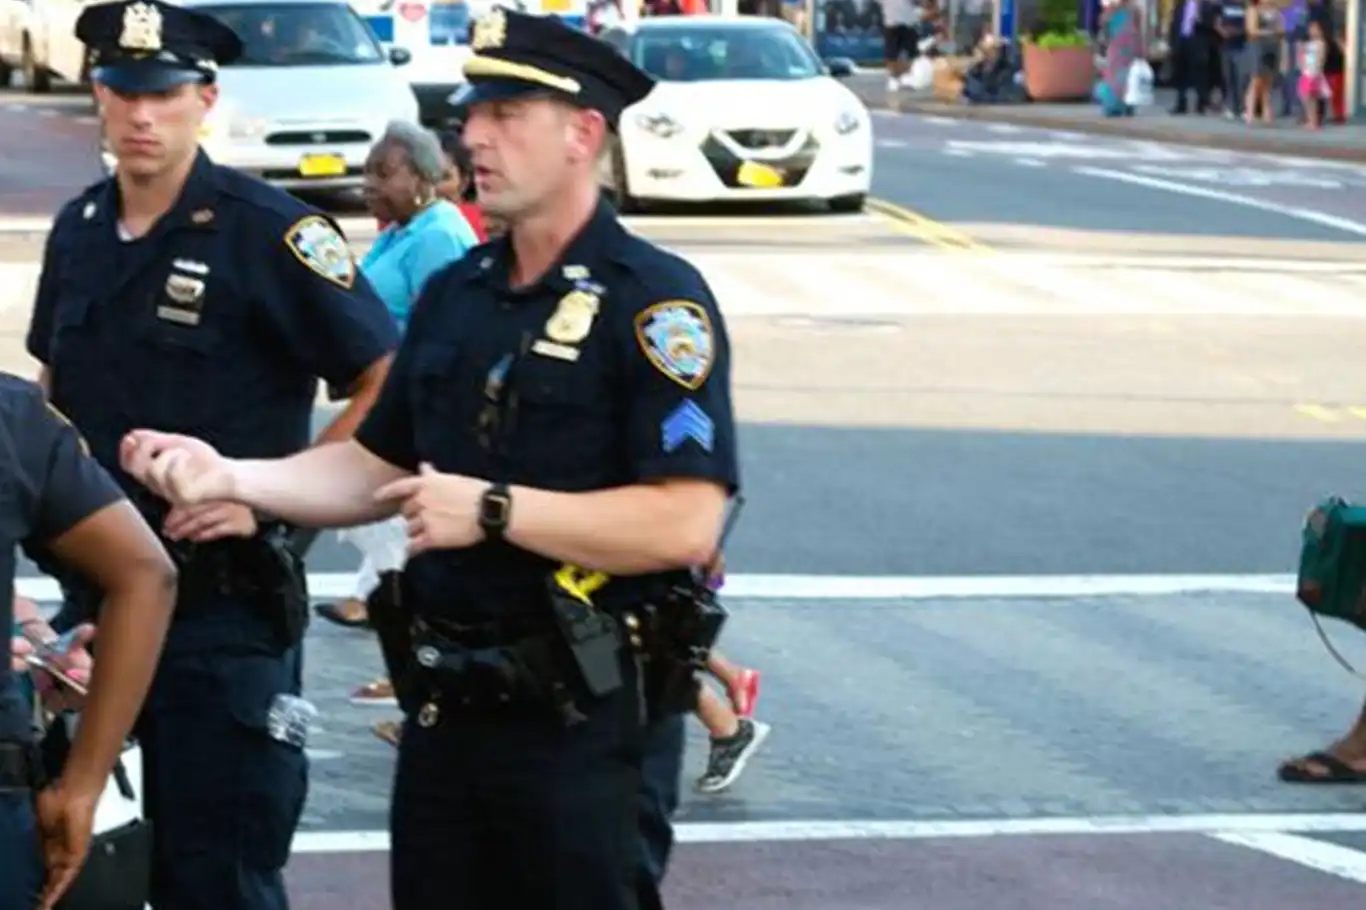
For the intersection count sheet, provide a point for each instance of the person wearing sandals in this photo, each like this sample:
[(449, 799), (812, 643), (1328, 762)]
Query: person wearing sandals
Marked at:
[(423, 233)]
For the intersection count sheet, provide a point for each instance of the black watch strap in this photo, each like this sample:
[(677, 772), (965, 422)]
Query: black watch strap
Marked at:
[(495, 508)]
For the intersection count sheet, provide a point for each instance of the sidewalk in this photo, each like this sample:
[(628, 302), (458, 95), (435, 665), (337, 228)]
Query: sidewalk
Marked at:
[(1345, 142)]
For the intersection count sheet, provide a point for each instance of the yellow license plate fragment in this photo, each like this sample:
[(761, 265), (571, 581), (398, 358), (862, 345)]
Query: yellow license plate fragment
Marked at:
[(759, 176), (322, 166)]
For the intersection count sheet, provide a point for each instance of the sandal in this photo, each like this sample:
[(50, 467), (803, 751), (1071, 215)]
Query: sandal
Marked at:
[(391, 731), (379, 692), (349, 613), (1320, 768)]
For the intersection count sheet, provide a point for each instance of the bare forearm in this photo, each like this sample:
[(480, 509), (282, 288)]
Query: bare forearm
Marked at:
[(133, 623), (623, 531), (327, 486)]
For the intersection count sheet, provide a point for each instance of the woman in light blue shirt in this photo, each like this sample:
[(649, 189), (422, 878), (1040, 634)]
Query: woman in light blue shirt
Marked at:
[(421, 234)]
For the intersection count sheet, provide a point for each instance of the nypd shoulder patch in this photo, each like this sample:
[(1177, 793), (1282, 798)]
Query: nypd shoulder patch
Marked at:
[(316, 243), (676, 336)]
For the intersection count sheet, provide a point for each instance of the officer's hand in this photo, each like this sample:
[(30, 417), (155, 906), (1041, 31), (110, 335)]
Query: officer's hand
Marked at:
[(442, 510), (209, 521), (181, 469), (65, 821)]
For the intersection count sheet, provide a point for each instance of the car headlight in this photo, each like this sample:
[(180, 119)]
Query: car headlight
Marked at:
[(847, 122), (661, 125), (232, 127)]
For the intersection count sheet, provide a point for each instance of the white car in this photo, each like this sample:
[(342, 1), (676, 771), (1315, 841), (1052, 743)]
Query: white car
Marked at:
[(744, 110), (310, 95)]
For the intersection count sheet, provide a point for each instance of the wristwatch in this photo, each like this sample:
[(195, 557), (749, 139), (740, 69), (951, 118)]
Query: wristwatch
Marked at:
[(495, 508)]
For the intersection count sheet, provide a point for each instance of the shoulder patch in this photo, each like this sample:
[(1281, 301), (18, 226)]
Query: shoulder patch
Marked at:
[(56, 412), (317, 244), (677, 337)]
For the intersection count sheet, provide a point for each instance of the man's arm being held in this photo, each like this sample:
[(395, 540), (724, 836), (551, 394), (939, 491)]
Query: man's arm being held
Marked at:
[(327, 486)]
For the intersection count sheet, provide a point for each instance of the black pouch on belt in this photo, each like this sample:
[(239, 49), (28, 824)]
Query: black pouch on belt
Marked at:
[(593, 639)]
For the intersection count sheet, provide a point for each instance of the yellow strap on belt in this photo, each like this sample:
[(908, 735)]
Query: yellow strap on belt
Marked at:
[(579, 583)]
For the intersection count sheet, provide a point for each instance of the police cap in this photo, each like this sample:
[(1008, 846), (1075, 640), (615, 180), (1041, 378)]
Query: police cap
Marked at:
[(151, 46), (516, 54)]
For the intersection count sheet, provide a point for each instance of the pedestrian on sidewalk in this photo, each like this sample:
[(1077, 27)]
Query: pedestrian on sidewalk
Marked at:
[(1264, 34), (1231, 25)]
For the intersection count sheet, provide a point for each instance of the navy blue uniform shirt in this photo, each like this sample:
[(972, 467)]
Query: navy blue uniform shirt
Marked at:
[(613, 369), (48, 485), (217, 323)]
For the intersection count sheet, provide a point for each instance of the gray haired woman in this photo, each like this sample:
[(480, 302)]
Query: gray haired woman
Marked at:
[(402, 171)]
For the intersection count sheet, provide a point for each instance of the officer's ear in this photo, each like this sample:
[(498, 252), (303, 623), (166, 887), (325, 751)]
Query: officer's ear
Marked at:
[(208, 96), (585, 134)]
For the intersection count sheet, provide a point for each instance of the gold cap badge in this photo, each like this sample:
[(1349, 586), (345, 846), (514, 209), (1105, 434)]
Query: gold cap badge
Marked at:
[(141, 28), (489, 31)]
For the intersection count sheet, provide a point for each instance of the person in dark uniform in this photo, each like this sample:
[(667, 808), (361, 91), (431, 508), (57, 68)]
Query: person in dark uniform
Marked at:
[(62, 507), (190, 296), (560, 405)]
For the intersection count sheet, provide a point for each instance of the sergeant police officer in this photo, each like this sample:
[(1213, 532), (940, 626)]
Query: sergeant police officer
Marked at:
[(560, 404), (183, 294), (60, 505)]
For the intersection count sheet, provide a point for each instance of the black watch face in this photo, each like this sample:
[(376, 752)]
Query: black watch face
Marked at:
[(496, 508)]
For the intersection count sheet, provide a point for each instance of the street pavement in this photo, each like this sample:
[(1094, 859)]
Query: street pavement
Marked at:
[(1025, 468)]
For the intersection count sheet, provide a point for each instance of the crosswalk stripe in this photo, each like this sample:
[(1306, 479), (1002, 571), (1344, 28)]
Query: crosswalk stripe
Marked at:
[(909, 282), (760, 586)]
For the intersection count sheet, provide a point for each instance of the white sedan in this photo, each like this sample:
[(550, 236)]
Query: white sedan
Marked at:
[(744, 110)]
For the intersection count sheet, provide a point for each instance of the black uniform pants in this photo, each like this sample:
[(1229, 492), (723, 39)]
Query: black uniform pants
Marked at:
[(490, 813)]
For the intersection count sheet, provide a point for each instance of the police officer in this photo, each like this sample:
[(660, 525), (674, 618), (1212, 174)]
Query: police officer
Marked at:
[(59, 504), (186, 295), (561, 406)]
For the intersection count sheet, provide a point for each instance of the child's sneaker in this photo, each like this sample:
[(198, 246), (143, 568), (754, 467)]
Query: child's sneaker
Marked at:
[(729, 756)]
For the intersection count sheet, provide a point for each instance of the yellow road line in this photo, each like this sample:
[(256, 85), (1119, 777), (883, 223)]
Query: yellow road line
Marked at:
[(926, 230), (1358, 412), (1318, 412)]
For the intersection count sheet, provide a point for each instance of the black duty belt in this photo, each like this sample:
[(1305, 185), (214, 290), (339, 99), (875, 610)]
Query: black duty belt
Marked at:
[(499, 669), (20, 766)]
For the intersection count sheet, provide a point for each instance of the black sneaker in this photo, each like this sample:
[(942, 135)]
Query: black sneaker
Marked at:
[(730, 755)]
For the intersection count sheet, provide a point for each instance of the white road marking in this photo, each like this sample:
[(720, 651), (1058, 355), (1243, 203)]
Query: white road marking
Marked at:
[(1004, 128), (1321, 856), (329, 585), (1030, 162), (939, 121), (1346, 225), (748, 832), (958, 153), (892, 143)]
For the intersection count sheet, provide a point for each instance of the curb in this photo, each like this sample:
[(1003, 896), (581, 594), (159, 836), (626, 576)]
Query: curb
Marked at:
[(1125, 129)]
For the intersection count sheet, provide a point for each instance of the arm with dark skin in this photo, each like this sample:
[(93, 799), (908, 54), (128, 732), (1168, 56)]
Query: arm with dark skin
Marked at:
[(77, 517)]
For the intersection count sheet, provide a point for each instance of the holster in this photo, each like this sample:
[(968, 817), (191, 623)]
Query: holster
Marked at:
[(263, 570), (493, 669), (392, 623), (675, 634)]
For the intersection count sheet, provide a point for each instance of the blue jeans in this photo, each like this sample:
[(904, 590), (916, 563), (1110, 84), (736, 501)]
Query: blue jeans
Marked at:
[(21, 862)]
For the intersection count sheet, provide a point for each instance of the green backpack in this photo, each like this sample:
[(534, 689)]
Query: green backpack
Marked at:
[(1332, 575)]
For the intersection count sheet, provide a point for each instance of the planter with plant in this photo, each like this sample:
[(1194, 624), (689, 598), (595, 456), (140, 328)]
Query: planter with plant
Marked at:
[(1059, 64)]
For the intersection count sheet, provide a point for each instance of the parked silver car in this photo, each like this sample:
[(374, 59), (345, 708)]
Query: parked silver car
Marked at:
[(311, 93)]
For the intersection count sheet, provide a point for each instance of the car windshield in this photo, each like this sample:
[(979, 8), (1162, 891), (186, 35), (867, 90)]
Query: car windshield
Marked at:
[(299, 34), (695, 55)]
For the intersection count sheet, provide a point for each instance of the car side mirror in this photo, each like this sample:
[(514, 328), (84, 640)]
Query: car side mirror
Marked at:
[(400, 56)]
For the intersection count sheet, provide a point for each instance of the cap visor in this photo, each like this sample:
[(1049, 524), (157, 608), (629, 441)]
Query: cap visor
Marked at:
[(136, 78), (494, 90)]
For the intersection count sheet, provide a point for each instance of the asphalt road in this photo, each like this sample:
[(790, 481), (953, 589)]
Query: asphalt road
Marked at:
[(910, 411)]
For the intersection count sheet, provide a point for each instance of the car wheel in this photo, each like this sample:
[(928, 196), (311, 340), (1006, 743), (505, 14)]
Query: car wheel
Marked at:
[(36, 77), (848, 204)]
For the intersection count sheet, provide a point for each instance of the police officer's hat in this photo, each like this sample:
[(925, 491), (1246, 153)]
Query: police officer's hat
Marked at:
[(151, 46), (517, 54)]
